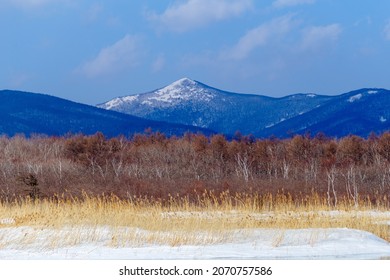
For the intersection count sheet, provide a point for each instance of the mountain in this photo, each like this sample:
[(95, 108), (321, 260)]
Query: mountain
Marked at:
[(31, 113), (193, 103), (358, 112)]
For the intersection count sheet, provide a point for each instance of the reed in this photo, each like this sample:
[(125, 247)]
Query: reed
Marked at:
[(209, 219)]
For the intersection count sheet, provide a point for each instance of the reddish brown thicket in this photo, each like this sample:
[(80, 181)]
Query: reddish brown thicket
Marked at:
[(154, 165)]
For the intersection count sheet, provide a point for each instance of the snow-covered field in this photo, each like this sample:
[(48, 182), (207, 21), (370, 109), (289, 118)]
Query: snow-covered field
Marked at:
[(96, 243)]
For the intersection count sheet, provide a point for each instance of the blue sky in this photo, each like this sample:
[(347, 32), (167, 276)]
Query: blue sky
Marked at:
[(91, 51)]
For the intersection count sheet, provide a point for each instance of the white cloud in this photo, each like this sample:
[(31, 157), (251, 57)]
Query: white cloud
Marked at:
[(317, 36), (94, 12), (260, 36), (193, 14), (386, 31), (159, 63), (289, 3), (117, 57)]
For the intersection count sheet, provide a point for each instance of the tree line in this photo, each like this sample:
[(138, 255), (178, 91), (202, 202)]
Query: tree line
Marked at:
[(154, 165)]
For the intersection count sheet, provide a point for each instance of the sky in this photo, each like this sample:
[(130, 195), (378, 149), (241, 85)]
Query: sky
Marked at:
[(92, 51)]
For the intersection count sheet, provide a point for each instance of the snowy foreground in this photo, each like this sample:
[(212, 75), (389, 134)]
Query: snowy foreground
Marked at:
[(254, 244)]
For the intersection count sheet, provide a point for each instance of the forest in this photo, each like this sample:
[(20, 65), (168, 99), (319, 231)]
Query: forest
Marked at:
[(158, 167)]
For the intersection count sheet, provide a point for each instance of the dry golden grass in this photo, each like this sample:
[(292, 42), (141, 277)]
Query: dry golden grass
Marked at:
[(210, 219)]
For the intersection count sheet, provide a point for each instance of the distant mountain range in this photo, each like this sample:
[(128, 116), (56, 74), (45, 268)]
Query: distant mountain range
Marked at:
[(190, 102), (190, 106), (30, 113)]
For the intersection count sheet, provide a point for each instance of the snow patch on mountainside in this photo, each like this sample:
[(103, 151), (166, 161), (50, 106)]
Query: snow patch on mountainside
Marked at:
[(146, 102), (200, 122), (113, 103), (355, 97), (130, 98), (119, 101), (280, 121)]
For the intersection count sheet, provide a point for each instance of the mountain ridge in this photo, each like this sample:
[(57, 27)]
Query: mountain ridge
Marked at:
[(191, 106), (36, 113), (191, 102), (188, 101)]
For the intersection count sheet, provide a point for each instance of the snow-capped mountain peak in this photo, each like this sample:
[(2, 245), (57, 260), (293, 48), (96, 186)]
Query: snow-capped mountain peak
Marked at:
[(181, 90), (178, 92), (183, 82)]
